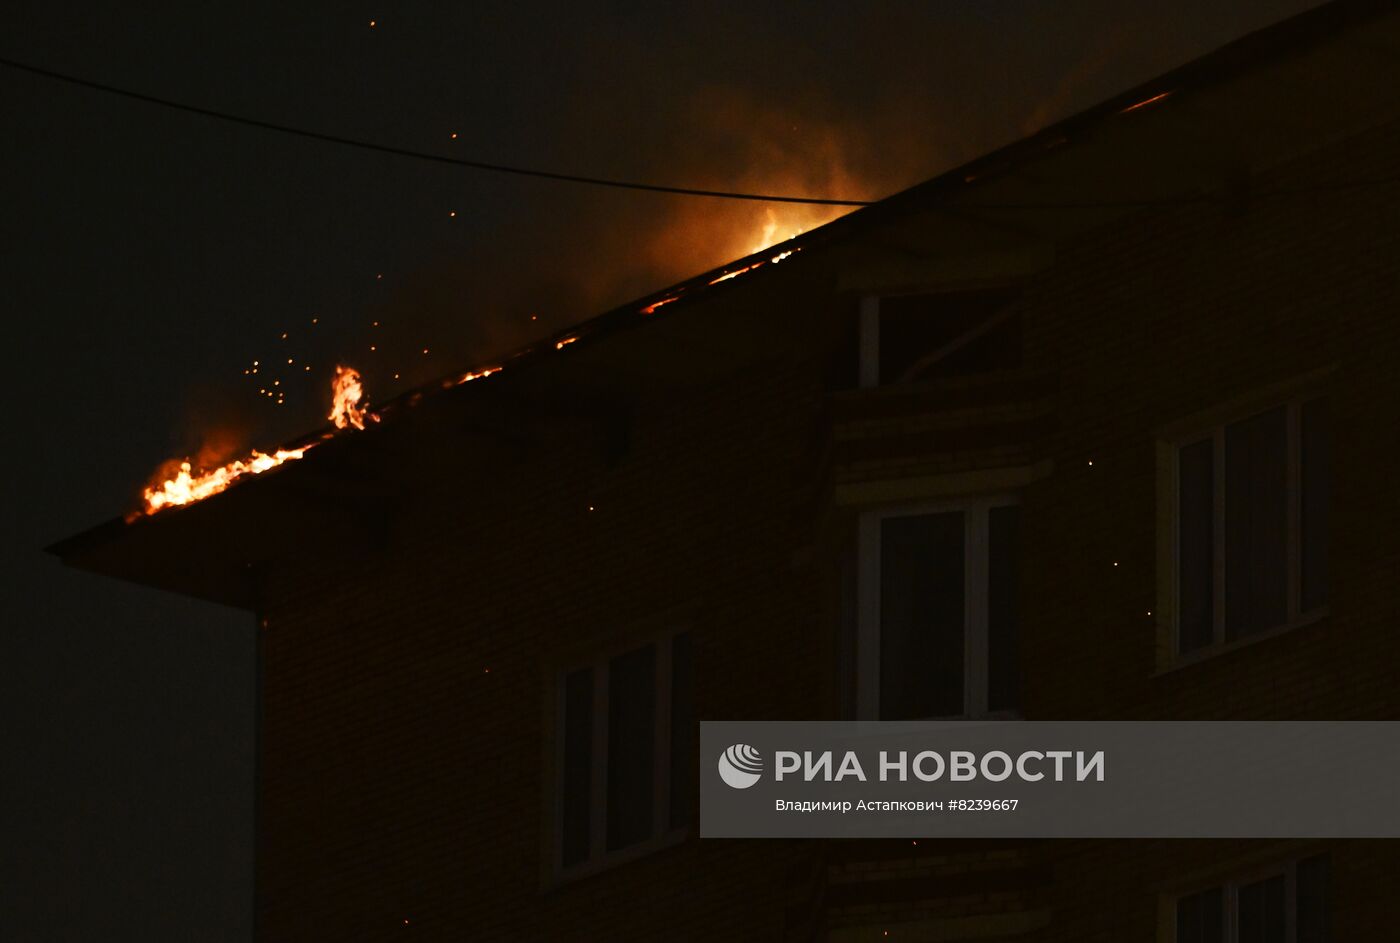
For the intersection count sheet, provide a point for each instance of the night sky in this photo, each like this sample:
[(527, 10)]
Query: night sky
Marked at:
[(148, 257)]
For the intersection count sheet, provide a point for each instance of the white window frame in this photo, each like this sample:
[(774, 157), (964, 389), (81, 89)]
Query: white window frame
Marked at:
[(662, 834), (976, 591), (1230, 886), (1293, 553)]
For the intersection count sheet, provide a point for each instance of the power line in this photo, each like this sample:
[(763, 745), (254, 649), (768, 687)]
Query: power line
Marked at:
[(1189, 199), (420, 155)]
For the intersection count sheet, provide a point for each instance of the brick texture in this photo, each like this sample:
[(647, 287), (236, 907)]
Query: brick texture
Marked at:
[(407, 684)]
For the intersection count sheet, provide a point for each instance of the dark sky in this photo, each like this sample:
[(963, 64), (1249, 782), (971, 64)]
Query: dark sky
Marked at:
[(148, 257)]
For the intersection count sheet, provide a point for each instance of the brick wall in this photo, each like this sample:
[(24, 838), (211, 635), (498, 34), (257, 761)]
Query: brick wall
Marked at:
[(406, 722)]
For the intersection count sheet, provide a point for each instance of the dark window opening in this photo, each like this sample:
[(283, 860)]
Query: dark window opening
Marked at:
[(1262, 918), (1196, 546), (942, 335), (1256, 524), (1316, 464), (1200, 918), (684, 730), (1003, 595), (627, 727), (1289, 905), (1251, 525), (921, 616), (940, 625), (631, 746), (1312, 892)]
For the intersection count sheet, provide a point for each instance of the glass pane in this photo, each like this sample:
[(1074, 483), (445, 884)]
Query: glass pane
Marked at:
[(1314, 919), (1316, 460), (683, 730), (921, 616), (578, 765), (914, 326), (1261, 917), (1003, 592), (631, 746), (1195, 545), (1256, 567), (1200, 918)]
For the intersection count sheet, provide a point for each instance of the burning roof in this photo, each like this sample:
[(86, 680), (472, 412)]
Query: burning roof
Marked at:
[(350, 409), (992, 187)]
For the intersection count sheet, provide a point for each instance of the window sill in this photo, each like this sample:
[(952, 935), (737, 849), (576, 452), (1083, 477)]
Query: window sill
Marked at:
[(1211, 652), (563, 877)]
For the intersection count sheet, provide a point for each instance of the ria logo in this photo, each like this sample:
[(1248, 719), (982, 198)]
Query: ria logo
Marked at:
[(740, 766)]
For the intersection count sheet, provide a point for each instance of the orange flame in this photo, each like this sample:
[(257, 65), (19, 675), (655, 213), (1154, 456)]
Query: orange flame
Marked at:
[(187, 485), (769, 235), (346, 393)]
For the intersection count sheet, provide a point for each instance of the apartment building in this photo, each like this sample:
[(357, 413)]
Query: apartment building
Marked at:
[(1097, 426)]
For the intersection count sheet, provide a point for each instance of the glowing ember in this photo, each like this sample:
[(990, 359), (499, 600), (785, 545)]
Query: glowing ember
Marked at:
[(651, 308), (480, 374), (468, 377), (346, 394), (736, 273), (1145, 102), (566, 341)]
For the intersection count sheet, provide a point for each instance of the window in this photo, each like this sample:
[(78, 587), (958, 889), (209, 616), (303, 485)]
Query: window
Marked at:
[(1251, 525), (1288, 904), (626, 752), (913, 337), (937, 625)]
